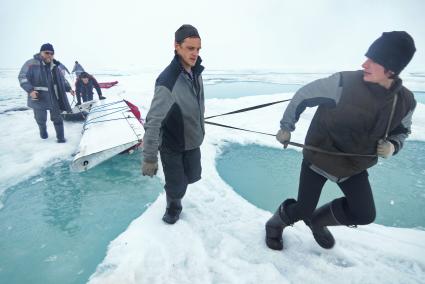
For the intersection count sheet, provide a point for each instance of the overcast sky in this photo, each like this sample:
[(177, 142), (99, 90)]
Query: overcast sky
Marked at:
[(261, 34)]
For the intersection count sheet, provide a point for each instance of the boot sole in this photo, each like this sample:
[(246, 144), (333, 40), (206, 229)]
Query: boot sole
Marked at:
[(170, 222), (325, 245)]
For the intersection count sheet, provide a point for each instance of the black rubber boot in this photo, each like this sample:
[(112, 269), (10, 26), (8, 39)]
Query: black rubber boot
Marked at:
[(43, 132), (276, 224), (60, 133), (173, 210), (321, 218)]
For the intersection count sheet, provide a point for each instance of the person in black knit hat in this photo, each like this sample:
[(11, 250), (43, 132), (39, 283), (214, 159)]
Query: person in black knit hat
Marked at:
[(393, 50), (367, 113), (46, 87)]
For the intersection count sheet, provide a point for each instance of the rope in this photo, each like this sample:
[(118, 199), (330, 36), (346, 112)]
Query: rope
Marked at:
[(248, 109), (121, 108), (73, 97), (100, 108), (307, 147), (112, 119), (73, 100), (106, 114), (106, 105)]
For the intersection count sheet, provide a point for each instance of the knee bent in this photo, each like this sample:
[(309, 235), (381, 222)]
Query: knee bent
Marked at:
[(299, 211)]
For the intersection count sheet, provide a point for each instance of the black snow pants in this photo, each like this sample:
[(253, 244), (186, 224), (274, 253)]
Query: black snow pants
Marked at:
[(180, 169), (357, 207)]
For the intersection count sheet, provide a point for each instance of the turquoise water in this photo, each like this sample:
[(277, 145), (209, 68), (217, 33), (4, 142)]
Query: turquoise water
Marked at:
[(420, 97), (244, 89), (55, 227), (266, 176)]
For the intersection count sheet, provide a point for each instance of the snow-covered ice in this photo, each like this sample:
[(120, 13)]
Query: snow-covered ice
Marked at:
[(220, 237)]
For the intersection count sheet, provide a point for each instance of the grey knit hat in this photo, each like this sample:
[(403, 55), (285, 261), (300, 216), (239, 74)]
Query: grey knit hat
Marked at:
[(186, 31)]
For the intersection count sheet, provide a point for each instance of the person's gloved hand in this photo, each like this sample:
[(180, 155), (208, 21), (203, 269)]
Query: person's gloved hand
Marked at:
[(149, 168), (283, 137), (102, 97), (385, 149), (78, 104)]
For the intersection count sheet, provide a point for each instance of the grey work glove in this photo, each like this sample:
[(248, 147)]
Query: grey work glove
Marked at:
[(149, 168), (283, 137), (385, 149)]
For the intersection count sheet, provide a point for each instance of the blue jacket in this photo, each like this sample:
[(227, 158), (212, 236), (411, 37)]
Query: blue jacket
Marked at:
[(86, 91), (51, 86)]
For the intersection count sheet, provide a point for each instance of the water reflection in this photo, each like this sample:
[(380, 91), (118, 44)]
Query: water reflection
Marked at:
[(63, 199), (57, 225), (266, 176)]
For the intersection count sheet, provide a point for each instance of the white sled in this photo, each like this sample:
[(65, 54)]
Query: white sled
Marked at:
[(111, 128)]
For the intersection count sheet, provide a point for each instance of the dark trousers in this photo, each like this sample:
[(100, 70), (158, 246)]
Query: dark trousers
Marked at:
[(180, 169), (40, 116), (85, 97), (355, 208)]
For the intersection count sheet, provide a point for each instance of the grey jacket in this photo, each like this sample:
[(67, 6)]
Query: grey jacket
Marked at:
[(352, 116), (48, 81), (175, 120), (78, 69)]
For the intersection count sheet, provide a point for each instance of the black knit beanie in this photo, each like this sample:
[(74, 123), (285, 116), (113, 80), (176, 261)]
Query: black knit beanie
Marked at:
[(186, 31), (47, 47), (393, 50)]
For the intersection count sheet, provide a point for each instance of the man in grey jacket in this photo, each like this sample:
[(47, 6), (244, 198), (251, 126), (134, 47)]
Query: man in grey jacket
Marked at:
[(78, 69), (46, 87), (367, 113), (175, 122)]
